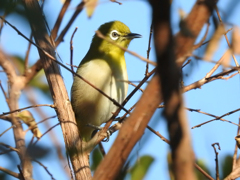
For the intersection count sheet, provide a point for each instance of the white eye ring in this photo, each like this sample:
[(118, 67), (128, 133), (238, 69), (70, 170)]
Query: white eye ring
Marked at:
[(114, 35)]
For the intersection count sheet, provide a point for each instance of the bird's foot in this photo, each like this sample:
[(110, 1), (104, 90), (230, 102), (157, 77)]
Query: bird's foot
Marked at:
[(99, 128), (94, 127)]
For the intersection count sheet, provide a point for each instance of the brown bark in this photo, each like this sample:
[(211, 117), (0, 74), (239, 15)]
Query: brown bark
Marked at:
[(78, 156), (16, 83), (169, 71), (180, 141)]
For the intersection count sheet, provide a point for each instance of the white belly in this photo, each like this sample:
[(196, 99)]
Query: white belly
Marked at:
[(90, 106)]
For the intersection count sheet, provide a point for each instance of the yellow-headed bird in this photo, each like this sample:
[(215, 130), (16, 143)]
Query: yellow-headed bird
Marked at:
[(104, 66)]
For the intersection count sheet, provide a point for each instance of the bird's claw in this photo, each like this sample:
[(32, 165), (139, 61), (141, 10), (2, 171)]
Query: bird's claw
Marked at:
[(94, 127), (108, 136), (109, 133)]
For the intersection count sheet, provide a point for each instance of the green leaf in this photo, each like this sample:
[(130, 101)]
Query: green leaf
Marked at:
[(203, 165), (139, 170), (90, 7), (226, 165), (96, 158)]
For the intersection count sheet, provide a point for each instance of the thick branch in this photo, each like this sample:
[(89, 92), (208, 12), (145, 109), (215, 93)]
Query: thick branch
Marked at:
[(180, 141), (16, 84), (194, 22), (78, 157)]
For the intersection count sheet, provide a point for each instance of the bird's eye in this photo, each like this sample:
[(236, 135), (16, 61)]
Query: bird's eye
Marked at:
[(114, 35)]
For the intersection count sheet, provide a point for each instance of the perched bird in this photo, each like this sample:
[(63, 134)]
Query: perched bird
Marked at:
[(104, 66)]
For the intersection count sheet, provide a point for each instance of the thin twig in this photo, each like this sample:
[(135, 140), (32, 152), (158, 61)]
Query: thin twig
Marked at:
[(216, 159), (118, 125), (186, 63), (234, 165), (34, 126), (71, 49), (199, 111), (31, 142), (216, 65), (219, 118), (33, 106), (159, 135), (225, 35), (11, 173), (149, 48), (72, 65), (203, 39), (27, 55), (10, 147), (214, 62), (79, 8), (129, 82), (70, 169), (46, 169), (45, 133), (206, 79), (228, 31), (5, 152), (7, 130), (59, 19), (20, 172), (19, 32), (205, 42), (116, 2), (221, 74), (227, 78)]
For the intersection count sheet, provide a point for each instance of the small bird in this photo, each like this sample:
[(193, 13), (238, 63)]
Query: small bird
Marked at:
[(104, 66)]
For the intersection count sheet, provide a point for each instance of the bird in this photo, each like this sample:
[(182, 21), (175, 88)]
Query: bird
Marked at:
[(104, 66)]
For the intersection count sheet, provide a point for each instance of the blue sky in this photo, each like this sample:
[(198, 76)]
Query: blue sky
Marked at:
[(218, 97)]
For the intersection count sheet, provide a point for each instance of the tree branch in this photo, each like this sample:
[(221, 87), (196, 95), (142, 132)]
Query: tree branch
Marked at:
[(16, 84), (74, 146), (11, 173)]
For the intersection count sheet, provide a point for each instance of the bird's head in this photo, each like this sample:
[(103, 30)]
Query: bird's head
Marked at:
[(115, 31)]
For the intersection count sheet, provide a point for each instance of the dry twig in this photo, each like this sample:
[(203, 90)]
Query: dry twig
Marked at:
[(216, 159)]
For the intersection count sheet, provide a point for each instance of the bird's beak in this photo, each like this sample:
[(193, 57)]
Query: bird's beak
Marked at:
[(133, 35)]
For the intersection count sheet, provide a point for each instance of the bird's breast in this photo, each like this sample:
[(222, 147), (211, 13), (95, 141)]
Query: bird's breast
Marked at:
[(90, 103)]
